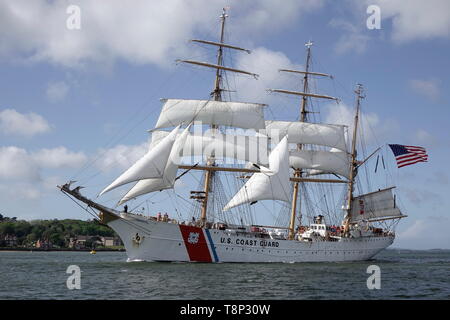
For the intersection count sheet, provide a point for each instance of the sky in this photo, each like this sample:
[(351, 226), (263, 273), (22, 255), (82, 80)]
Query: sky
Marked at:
[(79, 92)]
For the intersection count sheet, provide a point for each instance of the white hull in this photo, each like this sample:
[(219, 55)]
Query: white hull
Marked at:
[(148, 240)]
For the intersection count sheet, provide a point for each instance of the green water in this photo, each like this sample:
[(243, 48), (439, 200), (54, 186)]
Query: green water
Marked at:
[(405, 274)]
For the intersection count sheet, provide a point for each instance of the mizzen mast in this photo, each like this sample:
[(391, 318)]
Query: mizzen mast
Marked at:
[(353, 162)]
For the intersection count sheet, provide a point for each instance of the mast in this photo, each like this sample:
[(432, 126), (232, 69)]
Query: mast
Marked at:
[(217, 95), (298, 173), (303, 115), (353, 163)]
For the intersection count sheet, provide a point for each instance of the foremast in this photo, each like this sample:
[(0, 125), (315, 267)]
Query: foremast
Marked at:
[(353, 162), (217, 95), (298, 173)]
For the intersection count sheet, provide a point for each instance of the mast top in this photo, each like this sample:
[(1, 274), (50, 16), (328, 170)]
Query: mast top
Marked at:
[(309, 44), (360, 90), (224, 13)]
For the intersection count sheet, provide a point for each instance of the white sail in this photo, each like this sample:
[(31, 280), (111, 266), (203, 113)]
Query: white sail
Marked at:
[(376, 204), (170, 173), (235, 114), (157, 136), (151, 165), (252, 149), (308, 133), (270, 184), (332, 161)]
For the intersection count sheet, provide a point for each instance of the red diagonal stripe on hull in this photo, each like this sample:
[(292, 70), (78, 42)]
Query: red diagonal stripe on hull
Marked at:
[(198, 251)]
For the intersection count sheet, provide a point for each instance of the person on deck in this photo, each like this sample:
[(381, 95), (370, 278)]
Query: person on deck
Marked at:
[(125, 209)]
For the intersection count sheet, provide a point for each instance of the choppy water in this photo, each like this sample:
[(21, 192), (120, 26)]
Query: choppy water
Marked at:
[(405, 274)]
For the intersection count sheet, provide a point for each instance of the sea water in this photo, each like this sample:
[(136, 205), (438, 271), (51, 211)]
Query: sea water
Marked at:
[(404, 274)]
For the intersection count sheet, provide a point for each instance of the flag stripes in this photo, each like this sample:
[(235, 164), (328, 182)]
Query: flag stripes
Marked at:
[(407, 155)]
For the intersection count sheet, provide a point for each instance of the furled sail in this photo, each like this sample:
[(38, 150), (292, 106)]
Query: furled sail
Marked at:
[(376, 204), (271, 183), (240, 147), (151, 165), (170, 172), (332, 161), (235, 114), (308, 133)]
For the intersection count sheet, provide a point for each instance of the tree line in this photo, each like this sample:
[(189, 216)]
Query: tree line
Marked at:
[(56, 231)]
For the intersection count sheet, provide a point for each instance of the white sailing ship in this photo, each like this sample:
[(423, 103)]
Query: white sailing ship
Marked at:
[(284, 160)]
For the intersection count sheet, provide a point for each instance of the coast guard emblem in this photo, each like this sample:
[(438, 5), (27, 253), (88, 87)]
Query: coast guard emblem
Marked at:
[(193, 237), (137, 239)]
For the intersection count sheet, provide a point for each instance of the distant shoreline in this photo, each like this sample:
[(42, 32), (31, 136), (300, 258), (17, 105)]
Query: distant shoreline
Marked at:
[(12, 249)]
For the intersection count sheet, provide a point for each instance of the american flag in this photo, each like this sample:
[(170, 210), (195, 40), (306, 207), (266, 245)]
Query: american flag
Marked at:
[(406, 155)]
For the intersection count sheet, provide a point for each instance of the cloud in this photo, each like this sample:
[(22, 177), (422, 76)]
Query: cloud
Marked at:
[(120, 157), (266, 63), (353, 38), (57, 91), (59, 157), (424, 138), (145, 32), (416, 19), (21, 172), (15, 123), (17, 164), (431, 233), (375, 129), (427, 88)]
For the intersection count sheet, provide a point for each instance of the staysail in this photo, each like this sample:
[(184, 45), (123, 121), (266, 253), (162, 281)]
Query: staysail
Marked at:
[(234, 114), (378, 204), (167, 181), (269, 184), (151, 165)]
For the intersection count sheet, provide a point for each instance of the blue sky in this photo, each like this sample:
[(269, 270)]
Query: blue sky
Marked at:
[(74, 97)]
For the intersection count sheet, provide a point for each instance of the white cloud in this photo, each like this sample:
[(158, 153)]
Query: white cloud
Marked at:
[(144, 32), (15, 123), (428, 88), (430, 233), (353, 38), (17, 164), (415, 19), (266, 63), (374, 129), (59, 157), (21, 172), (120, 157), (424, 138), (57, 91)]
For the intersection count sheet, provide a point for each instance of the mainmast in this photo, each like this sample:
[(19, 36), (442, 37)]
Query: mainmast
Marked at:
[(216, 94), (303, 118), (353, 163), (298, 173)]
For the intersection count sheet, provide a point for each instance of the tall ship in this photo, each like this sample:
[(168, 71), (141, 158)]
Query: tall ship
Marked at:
[(303, 172)]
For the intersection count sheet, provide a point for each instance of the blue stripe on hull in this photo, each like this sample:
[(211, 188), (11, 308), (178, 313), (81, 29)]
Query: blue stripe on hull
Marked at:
[(211, 244)]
